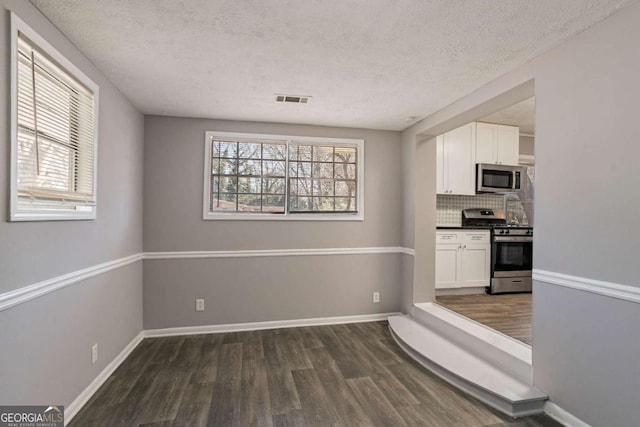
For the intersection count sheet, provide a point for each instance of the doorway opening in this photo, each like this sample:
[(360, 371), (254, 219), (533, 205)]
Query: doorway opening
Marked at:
[(468, 271)]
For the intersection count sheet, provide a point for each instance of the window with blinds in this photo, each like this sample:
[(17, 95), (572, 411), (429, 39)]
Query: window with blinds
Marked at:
[(250, 176), (54, 147)]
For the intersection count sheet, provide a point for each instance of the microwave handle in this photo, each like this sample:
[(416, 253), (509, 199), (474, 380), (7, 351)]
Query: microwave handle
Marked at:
[(516, 180)]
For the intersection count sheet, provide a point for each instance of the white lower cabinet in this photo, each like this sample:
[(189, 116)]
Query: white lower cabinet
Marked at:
[(463, 259)]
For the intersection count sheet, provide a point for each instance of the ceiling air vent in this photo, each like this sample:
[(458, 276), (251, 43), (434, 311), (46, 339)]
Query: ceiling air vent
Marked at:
[(296, 99)]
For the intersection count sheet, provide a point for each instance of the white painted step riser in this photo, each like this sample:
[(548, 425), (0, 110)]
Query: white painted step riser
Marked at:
[(501, 341), (465, 369), (517, 408), (498, 358)]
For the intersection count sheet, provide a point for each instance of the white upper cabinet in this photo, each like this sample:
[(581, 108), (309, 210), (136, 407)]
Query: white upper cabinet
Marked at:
[(497, 144), (456, 152)]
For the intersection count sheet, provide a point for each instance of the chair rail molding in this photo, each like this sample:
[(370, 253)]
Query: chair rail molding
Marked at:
[(27, 293), (613, 290), (276, 252)]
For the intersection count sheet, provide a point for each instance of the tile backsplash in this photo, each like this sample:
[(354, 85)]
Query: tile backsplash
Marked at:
[(449, 207)]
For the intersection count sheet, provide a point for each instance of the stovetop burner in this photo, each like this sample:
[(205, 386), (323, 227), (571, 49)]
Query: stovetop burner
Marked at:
[(492, 219)]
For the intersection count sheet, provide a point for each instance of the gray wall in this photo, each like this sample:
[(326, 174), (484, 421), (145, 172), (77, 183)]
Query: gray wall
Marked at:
[(587, 182), (274, 288), (586, 354), (587, 187), (526, 145), (240, 290), (45, 354)]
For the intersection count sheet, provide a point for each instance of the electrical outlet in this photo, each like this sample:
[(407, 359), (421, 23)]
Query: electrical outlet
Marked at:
[(376, 297), (199, 304), (94, 353)]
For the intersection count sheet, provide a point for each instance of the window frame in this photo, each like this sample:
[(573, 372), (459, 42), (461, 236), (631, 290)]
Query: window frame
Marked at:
[(286, 216), (17, 214)]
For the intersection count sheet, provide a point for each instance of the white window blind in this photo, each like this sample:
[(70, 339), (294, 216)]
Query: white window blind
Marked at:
[(55, 141)]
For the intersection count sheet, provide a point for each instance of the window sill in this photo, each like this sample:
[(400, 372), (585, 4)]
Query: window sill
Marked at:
[(278, 217), (48, 216)]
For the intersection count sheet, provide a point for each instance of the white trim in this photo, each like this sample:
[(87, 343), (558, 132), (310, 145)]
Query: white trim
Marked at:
[(27, 293), (286, 216), (274, 253), (72, 409), (497, 339), (408, 251), (562, 416), (18, 25), (257, 326), (526, 159), (233, 216), (614, 290)]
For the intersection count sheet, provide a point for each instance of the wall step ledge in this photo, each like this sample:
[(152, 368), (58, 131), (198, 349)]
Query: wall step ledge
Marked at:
[(483, 368), (613, 290), (502, 351)]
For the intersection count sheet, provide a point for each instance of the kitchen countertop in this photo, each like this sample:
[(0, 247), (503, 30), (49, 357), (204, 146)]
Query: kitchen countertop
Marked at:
[(460, 227)]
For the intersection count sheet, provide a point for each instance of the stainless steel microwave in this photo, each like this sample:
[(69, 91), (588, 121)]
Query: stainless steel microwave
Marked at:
[(498, 178)]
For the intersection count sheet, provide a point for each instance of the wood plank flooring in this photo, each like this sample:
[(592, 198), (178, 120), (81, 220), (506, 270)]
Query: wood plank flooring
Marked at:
[(508, 313), (340, 375)]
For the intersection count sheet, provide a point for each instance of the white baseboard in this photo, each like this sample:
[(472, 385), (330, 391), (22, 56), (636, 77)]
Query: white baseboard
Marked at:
[(562, 416), (255, 326), (71, 410)]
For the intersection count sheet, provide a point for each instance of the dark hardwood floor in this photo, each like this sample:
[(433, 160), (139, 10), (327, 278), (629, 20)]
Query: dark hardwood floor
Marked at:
[(508, 313), (342, 375)]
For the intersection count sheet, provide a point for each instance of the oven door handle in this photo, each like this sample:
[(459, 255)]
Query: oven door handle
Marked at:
[(523, 239)]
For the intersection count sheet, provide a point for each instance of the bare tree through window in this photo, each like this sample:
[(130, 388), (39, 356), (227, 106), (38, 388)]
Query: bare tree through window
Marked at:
[(282, 177)]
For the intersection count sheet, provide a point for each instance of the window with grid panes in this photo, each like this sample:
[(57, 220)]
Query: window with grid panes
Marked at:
[(322, 178), (251, 176)]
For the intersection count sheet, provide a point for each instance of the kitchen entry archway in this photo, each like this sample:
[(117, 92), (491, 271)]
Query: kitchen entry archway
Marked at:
[(510, 314)]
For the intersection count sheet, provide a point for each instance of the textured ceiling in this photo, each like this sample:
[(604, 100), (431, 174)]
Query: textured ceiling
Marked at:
[(522, 114), (366, 63)]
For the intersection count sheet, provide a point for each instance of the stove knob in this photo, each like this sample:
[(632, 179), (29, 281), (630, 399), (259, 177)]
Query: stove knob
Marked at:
[(501, 231), (507, 232)]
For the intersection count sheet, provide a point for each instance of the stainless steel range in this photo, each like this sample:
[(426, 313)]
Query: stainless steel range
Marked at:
[(511, 250)]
